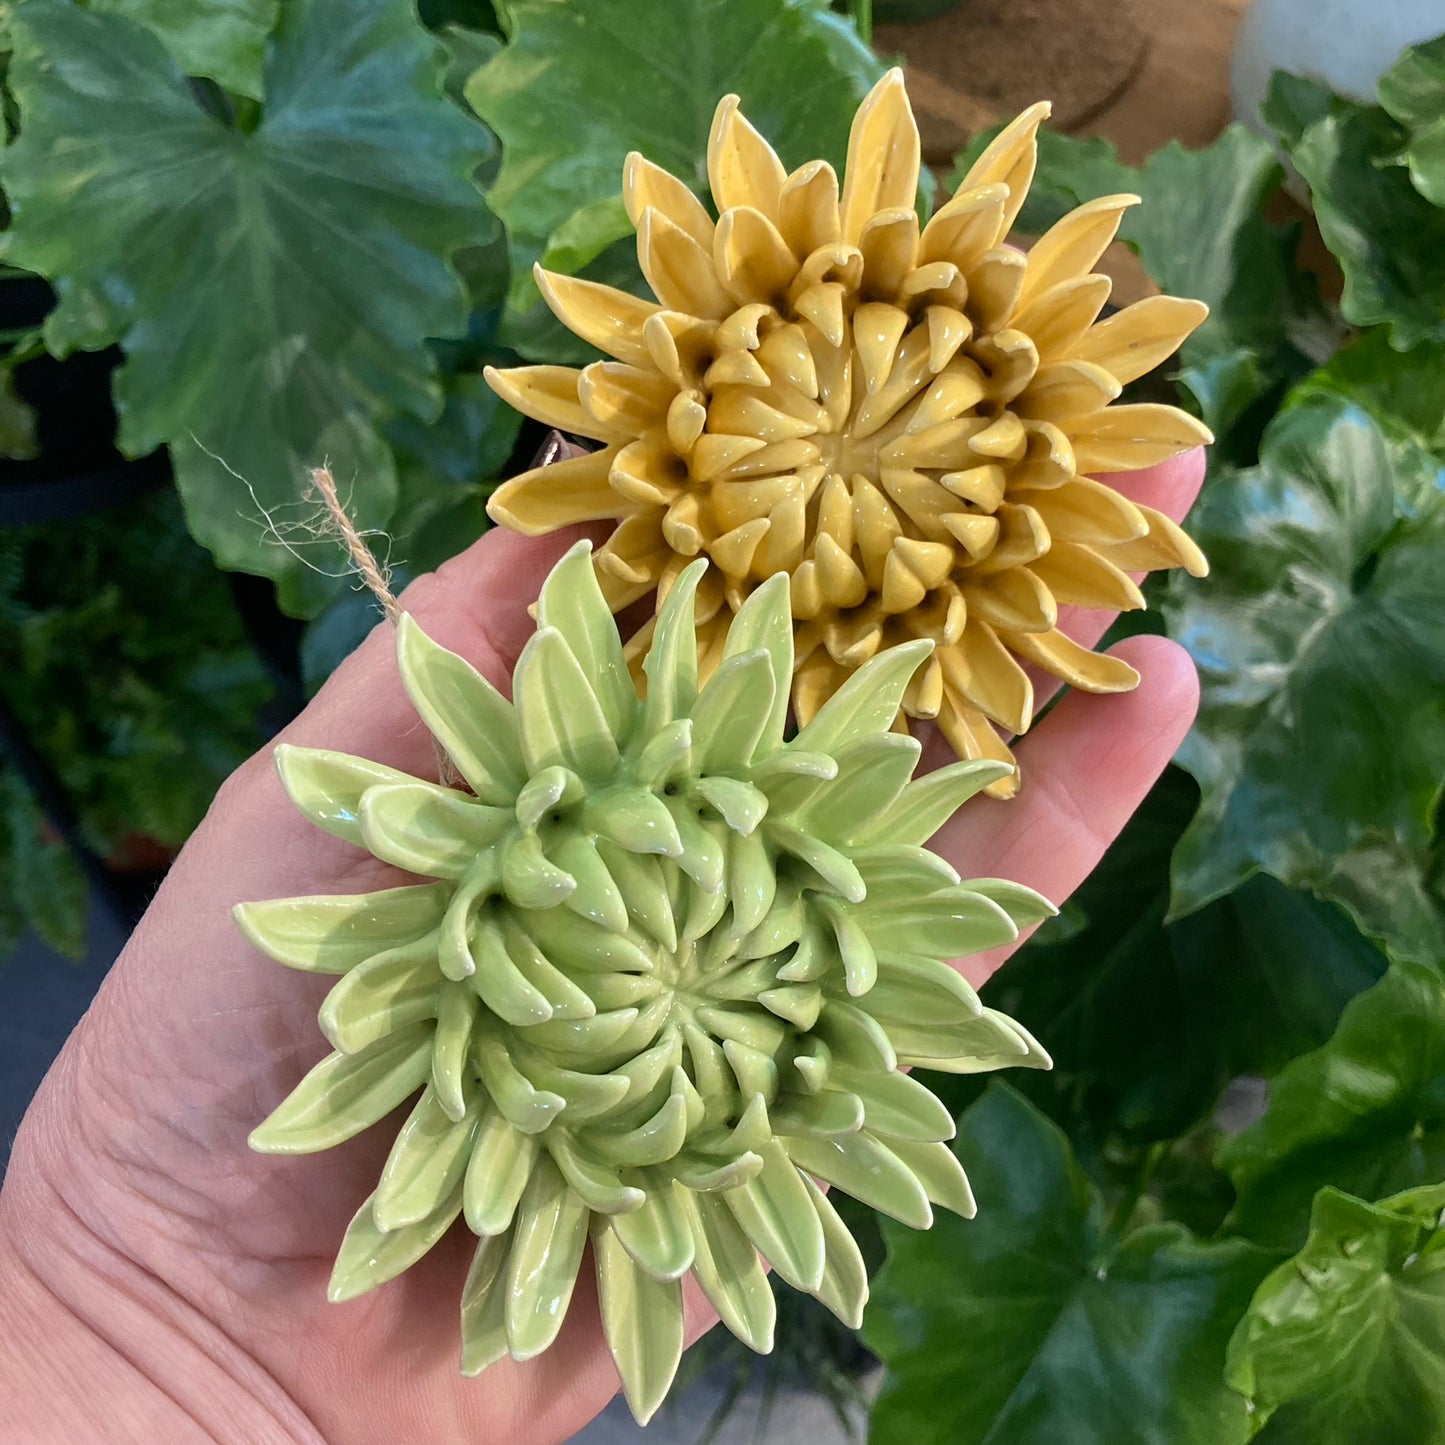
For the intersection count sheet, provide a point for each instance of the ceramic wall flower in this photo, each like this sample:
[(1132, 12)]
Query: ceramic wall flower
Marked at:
[(902, 418), (661, 986)]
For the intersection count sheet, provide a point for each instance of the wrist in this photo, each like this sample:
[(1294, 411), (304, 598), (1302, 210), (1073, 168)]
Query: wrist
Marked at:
[(94, 1347)]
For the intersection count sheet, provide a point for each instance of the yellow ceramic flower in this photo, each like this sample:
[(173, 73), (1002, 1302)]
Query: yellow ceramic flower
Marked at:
[(903, 418)]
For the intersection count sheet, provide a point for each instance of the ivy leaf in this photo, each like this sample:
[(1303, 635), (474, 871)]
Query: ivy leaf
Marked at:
[(1388, 238), (274, 290), (1320, 640), (1413, 92), (590, 69), (1030, 1324), (224, 40), (1144, 1026), (1345, 1342), (1364, 1113), (1404, 393)]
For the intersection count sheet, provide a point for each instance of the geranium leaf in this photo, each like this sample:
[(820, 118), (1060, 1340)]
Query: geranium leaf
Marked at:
[(1029, 1324), (1346, 1341), (273, 290), (591, 69), (1413, 91), (1320, 639), (1362, 1113)]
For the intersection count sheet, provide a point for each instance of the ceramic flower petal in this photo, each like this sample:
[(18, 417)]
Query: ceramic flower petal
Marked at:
[(663, 984), (902, 419)]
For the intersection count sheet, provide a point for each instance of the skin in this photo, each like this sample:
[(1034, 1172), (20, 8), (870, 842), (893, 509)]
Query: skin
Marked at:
[(160, 1282)]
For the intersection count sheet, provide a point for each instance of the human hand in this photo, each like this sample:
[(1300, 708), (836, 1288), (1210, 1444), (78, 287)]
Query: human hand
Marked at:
[(161, 1282)]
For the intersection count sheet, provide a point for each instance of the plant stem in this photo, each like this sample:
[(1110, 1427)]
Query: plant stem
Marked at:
[(1123, 1211)]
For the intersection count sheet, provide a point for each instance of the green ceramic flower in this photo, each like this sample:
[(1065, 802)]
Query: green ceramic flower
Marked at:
[(662, 987)]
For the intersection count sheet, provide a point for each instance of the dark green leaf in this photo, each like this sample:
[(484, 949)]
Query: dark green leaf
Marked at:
[(1320, 639), (17, 420), (221, 39), (42, 878), (1147, 1022), (1365, 1113), (1390, 241), (1404, 393), (580, 85), (273, 290), (1030, 1324), (1345, 1343), (1294, 103)]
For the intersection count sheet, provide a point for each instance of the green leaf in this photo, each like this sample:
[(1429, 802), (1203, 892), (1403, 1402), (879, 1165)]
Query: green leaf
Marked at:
[(1386, 235), (1414, 94), (1145, 1025), (1320, 639), (223, 40), (17, 419), (1346, 1341), (1365, 1113), (589, 69), (1404, 393), (1030, 1324), (273, 290), (41, 873)]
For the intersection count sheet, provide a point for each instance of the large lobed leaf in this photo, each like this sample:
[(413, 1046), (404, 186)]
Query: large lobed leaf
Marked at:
[(1033, 1324), (1320, 640), (1364, 1113), (224, 40), (1345, 1343), (273, 290), (1147, 1021)]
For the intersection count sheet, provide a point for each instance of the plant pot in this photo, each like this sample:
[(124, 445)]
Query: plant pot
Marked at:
[(1347, 44), (903, 12)]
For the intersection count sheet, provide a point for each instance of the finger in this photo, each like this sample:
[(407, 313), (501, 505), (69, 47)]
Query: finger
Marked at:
[(1085, 770)]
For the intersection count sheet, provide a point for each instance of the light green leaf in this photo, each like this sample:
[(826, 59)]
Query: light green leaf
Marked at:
[(497, 1173), (327, 787), (390, 991), (1413, 92), (1030, 1325), (484, 1326), (424, 1170), (223, 40), (436, 832), (370, 1256), (547, 1244), (559, 717), (1346, 1341), (731, 1275), (331, 934), (642, 1318), (1362, 1113), (346, 1093), (240, 270), (777, 1214), (658, 1234), (1320, 631)]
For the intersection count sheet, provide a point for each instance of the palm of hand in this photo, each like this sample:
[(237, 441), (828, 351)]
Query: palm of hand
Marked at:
[(139, 1137)]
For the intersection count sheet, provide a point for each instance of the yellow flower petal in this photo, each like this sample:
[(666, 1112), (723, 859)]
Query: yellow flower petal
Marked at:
[(1167, 545), (883, 156), (646, 185), (753, 261), (680, 272), (1081, 577), (1071, 246), (546, 498), (889, 245), (990, 680), (1139, 337), (971, 736), (1126, 438), (623, 400), (1087, 511), (1058, 317), (970, 224), (743, 169), (1009, 160), (1066, 660), (606, 318), (1063, 390), (808, 208), (549, 395)]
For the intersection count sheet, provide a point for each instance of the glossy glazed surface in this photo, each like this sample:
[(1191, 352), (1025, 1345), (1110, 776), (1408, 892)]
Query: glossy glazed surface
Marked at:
[(902, 418), (662, 983)]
